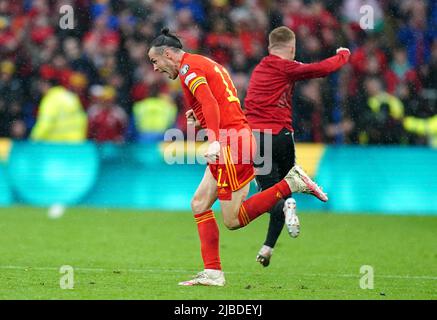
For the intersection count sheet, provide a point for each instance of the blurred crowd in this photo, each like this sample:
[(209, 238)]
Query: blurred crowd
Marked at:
[(97, 79)]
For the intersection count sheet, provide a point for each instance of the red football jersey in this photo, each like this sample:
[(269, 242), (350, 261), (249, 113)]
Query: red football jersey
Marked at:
[(268, 99), (196, 70)]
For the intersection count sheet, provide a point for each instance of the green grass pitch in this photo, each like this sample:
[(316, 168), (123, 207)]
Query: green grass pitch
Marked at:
[(123, 254)]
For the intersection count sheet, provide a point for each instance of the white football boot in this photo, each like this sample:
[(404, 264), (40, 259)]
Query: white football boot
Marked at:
[(291, 219), (207, 277), (298, 181)]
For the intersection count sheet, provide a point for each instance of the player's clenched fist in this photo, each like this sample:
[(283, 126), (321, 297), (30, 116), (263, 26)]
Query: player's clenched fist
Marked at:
[(213, 152), (342, 48), (191, 118)]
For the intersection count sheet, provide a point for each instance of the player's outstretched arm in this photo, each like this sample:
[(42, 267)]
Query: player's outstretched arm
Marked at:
[(301, 71)]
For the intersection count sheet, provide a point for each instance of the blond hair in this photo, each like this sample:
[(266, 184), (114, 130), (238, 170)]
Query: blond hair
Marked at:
[(280, 37)]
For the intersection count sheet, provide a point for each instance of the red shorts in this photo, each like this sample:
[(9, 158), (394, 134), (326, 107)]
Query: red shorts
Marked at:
[(235, 166)]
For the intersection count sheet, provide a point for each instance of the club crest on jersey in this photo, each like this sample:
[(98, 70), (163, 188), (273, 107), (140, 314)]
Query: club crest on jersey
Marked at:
[(184, 69)]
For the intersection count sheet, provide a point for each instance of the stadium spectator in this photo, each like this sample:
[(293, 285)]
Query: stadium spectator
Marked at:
[(78, 84), (11, 97), (241, 80), (249, 32), (367, 60), (309, 115), (11, 121), (421, 119), (110, 40), (10, 87), (153, 116), (311, 49), (380, 115), (77, 60), (417, 35), (428, 74), (219, 41), (188, 29), (297, 17), (107, 122), (401, 73), (426, 128), (60, 116), (194, 6)]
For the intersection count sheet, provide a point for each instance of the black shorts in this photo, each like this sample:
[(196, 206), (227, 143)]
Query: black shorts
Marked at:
[(283, 157)]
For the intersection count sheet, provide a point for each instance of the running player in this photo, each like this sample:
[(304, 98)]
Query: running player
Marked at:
[(209, 90), (268, 106)]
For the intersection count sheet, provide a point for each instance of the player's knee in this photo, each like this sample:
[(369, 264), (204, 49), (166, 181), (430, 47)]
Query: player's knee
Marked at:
[(197, 205), (232, 224)]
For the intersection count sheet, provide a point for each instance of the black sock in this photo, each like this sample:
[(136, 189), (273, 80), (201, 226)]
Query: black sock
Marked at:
[(276, 224)]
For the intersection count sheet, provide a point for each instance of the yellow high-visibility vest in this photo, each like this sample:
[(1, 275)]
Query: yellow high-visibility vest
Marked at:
[(154, 114), (423, 127), (396, 108), (61, 117)]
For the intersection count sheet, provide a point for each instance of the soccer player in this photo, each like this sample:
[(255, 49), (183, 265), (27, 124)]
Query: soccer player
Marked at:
[(268, 106), (209, 90)]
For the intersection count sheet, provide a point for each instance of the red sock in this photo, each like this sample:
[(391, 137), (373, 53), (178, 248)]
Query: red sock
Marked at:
[(262, 202), (209, 239)]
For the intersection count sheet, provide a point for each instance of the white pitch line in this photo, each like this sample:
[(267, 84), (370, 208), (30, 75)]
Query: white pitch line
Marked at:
[(334, 275), (97, 269), (376, 276)]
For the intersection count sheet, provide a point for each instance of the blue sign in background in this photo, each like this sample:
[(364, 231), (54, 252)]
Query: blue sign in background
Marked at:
[(45, 174), (401, 180), (380, 179), (5, 191)]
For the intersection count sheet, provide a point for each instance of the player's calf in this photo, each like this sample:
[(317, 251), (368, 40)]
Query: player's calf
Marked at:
[(238, 213), (231, 209)]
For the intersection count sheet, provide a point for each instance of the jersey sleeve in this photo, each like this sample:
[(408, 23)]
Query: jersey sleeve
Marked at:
[(300, 71), (194, 79)]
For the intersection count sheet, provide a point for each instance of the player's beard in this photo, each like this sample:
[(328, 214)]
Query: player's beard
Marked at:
[(173, 75), (170, 72)]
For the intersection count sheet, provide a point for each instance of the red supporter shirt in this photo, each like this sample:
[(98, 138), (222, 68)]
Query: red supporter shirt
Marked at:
[(209, 91), (268, 99), (106, 124)]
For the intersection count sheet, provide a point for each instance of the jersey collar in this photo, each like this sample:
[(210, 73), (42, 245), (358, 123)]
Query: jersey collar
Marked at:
[(182, 60)]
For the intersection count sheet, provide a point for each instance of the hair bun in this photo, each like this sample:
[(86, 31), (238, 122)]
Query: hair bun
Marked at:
[(165, 31)]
